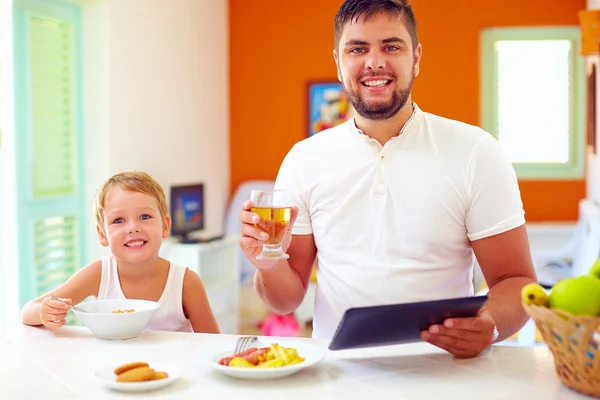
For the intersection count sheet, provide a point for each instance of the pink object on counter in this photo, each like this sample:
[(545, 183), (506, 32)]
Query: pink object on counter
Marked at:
[(280, 325)]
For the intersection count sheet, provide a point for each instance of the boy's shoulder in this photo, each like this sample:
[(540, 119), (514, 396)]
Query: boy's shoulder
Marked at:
[(192, 282), (189, 274), (93, 267)]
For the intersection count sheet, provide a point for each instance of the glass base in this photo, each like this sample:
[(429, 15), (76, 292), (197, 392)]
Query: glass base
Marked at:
[(272, 256), (272, 252)]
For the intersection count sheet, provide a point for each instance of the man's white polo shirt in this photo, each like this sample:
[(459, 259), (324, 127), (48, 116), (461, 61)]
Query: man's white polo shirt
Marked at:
[(393, 223)]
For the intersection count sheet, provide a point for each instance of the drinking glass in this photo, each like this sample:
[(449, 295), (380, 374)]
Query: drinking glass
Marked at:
[(274, 208)]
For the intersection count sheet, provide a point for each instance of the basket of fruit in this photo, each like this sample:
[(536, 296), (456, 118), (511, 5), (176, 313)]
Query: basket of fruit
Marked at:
[(568, 319)]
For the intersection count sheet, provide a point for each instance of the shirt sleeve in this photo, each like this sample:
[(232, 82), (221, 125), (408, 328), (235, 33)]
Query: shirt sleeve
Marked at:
[(289, 178), (494, 199)]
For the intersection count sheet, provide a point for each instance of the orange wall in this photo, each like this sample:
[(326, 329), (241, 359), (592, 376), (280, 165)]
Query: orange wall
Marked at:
[(276, 46)]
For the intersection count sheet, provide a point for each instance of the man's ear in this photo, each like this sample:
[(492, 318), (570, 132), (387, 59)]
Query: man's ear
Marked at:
[(166, 227), (102, 236), (417, 60), (336, 58)]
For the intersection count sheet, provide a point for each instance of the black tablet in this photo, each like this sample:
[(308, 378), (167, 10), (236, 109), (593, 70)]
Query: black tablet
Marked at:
[(398, 323)]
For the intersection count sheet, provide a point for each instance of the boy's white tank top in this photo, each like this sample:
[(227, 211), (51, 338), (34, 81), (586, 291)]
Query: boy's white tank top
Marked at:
[(170, 316)]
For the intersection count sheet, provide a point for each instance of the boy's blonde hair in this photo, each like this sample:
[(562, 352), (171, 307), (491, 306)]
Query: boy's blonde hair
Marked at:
[(133, 181)]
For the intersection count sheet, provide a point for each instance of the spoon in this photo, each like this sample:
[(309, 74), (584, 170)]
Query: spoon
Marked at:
[(70, 306)]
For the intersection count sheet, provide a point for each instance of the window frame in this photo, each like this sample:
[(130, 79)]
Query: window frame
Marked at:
[(31, 209), (575, 168)]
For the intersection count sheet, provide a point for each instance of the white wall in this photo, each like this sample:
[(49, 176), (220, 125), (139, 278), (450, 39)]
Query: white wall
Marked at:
[(156, 99), (97, 87), (593, 160), (157, 92), (593, 4)]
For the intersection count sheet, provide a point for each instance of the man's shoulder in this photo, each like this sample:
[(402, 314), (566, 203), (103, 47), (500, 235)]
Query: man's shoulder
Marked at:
[(445, 125), (322, 140)]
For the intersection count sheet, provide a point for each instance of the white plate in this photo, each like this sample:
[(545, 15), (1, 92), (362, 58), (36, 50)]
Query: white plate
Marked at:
[(108, 378), (312, 355)]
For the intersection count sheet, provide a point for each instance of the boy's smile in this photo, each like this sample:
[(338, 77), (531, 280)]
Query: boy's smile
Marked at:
[(136, 244)]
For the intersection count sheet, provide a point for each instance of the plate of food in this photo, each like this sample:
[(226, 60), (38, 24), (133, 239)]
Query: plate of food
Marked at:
[(138, 376), (268, 359)]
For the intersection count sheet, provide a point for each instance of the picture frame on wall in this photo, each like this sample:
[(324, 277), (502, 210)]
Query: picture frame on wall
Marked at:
[(591, 108), (328, 106)]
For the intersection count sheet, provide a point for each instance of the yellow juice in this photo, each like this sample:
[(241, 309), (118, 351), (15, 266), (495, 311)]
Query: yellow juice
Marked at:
[(274, 221)]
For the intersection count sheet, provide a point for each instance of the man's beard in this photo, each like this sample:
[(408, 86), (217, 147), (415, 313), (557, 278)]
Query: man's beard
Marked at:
[(381, 110)]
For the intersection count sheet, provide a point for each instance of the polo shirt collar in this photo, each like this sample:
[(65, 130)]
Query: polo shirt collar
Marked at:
[(413, 121)]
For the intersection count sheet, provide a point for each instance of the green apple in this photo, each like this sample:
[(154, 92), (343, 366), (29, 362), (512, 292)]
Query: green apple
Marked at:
[(579, 295), (595, 270)]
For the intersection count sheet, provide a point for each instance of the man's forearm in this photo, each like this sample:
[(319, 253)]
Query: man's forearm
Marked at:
[(505, 305), (280, 287)]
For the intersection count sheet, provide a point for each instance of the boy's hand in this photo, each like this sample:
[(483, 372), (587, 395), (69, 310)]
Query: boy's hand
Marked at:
[(53, 313)]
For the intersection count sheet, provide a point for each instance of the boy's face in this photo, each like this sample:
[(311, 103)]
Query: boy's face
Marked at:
[(133, 226)]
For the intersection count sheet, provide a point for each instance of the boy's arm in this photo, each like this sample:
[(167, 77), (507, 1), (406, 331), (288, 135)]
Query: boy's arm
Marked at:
[(77, 288), (196, 306)]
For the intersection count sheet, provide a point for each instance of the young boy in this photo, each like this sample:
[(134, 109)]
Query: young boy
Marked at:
[(132, 219)]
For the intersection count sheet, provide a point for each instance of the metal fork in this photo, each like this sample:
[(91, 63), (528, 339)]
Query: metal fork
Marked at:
[(243, 343)]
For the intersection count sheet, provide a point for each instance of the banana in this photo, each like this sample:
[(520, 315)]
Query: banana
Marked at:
[(533, 293)]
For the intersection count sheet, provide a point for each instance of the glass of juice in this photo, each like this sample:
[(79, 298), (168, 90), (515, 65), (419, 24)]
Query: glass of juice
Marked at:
[(274, 207)]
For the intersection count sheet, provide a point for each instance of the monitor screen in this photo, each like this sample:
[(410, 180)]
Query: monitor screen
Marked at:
[(187, 209)]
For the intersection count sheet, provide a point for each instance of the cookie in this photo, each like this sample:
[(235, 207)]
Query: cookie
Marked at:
[(139, 374), (127, 367), (160, 375)]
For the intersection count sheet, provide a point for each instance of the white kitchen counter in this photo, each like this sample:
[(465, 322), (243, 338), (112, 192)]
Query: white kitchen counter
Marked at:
[(45, 364)]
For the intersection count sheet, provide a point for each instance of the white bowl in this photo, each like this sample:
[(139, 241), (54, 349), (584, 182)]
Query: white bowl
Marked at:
[(312, 355), (98, 316)]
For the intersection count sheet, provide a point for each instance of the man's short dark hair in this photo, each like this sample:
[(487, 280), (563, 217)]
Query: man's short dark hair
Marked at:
[(352, 10)]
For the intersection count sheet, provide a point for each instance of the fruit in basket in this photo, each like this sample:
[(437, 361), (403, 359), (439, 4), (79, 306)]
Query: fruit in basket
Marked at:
[(533, 293), (579, 295), (595, 270)]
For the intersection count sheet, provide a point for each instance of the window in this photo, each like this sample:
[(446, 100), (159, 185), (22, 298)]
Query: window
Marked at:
[(50, 201), (532, 83)]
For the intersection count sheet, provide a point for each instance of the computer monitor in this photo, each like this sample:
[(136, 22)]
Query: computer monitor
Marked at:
[(187, 211)]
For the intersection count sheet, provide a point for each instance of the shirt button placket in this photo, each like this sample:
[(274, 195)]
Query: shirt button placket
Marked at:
[(380, 179)]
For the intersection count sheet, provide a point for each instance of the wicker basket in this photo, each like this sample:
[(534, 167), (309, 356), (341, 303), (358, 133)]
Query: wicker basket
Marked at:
[(575, 344)]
